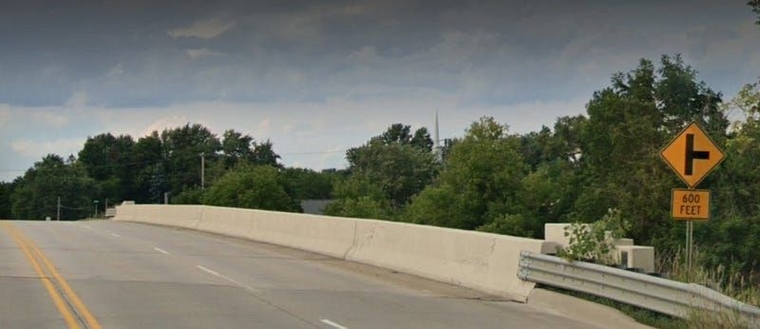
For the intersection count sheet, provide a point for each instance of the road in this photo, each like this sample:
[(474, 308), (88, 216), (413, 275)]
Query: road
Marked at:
[(126, 275)]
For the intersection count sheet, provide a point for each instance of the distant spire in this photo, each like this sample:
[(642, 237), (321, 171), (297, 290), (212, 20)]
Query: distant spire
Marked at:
[(437, 136), (437, 150)]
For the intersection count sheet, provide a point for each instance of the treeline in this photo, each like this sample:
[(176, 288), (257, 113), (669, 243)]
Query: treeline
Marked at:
[(584, 168), (581, 169), (111, 169)]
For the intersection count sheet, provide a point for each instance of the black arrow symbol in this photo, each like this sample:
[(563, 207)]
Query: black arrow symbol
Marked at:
[(691, 154)]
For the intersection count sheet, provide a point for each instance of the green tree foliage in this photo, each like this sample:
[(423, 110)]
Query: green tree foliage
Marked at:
[(6, 190), (150, 180), (399, 163), (482, 180), (183, 148), (239, 148), (189, 196), (755, 4), (36, 195), (255, 187), (307, 184), (236, 147), (401, 134), (732, 236), (264, 155), (109, 161), (358, 197), (628, 123)]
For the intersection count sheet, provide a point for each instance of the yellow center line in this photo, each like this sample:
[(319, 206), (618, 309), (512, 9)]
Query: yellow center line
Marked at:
[(60, 304), (92, 323), (80, 307)]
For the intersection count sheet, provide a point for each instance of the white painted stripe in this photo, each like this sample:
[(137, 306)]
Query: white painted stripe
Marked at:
[(212, 272), (333, 324), (161, 251), (87, 227), (116, 235), (224, 277)]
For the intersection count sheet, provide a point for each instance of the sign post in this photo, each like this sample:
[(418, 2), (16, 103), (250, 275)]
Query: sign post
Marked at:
[(692, 155)]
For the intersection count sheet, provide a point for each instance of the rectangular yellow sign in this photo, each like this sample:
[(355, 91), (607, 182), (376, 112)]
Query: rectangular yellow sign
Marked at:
[(690, 204)]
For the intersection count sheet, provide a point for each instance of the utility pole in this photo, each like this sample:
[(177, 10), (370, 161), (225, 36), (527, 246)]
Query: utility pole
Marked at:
[(203, 171), (58, 217)]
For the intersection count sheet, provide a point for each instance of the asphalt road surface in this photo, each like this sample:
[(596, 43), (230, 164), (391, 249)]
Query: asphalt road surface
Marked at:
[(104, 274)]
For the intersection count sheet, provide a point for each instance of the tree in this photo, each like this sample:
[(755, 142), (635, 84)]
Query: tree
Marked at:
[(255, 187), (184, 149), (401, 134), (481, 181), (6, 189), (755, 4), (358, 197), (109, 161), (149, 181), (400, 165), (236, 147), (264, 155), (305, 184), (628, 123), (36, 195)]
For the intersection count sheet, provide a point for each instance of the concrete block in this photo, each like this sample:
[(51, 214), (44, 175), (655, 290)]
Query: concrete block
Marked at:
[(624, 242), (639, 257), (556, 233)]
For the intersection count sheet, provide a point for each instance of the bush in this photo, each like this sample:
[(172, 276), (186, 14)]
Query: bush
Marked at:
[(251, 187), (590, 242)]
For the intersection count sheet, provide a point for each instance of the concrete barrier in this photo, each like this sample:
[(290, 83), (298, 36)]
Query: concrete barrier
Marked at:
[(325, 235), (481, 261), (227, 221), (169, 215)]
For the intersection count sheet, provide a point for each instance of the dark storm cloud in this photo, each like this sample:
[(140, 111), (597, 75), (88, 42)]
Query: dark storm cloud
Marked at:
[(153, 53)]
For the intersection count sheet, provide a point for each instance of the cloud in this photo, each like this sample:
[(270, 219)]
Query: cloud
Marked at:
[(78, 99), (161, 124), (38, 149), (263, 128), (5, 114), (202, 52), (205, 29), (116, 70), (51, 118)]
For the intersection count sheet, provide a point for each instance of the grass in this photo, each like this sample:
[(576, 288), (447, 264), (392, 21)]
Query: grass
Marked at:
[(729, 282), (641, 315)]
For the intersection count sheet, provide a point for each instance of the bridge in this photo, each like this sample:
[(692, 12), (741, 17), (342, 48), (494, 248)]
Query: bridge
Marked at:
[(193, 271)]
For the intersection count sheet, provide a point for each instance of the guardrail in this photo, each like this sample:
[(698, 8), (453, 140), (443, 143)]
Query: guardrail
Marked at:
[(657, 294)]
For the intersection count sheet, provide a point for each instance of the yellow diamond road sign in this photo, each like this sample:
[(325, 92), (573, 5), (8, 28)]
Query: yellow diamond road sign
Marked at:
[(692, 154)]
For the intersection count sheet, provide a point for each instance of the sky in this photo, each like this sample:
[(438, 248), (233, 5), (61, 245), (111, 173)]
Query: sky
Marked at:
[(319, 77)]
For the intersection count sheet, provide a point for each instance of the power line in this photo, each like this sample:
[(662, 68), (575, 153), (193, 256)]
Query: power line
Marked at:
[(314, 153)]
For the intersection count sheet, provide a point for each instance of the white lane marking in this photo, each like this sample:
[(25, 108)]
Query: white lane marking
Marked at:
[(87, 227), (333, 324), (161, 251), (115, 235), (224, 277)]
